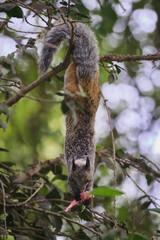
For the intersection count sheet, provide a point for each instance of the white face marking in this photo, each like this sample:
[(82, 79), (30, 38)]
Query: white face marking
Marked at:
[(80, 162)]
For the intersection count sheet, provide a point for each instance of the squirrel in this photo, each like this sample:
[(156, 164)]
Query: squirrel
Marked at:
[(84, 72)]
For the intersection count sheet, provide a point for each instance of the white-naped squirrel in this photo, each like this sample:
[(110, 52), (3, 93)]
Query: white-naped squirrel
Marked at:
[(83, 71)]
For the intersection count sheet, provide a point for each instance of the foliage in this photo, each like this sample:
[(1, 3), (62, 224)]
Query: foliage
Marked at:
[(34, 204), (33, 189)]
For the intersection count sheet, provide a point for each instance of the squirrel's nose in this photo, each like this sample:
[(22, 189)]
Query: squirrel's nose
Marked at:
[(87, 202)]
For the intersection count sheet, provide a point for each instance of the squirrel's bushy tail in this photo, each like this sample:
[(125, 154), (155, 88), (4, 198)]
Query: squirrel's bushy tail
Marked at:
[(85, 49), (52, 41)]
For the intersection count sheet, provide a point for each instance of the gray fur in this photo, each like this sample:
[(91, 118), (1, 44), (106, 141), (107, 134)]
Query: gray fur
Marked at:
[(79, 141), (80, 145), (85, 50), (55, 36)]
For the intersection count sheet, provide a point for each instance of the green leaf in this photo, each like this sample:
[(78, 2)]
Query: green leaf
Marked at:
[(105, 191), (57, 170), (2, 125), (149, 179), (9, 164), (99, 147), (145, 205), (48, 79), (44, 190), (61, 177), (20, 196), (112, 234), (136, 236), (103, 169), (120, 153), (81, 15), (4, 150), (83, 208), (16, 12), (45, 171), (53, 194), (5, 64), (80, 234), (11, 10), (156, 210), (118, 69), (24, 186), (4, 109), (56, 222), (65, 109), (109, 16), (60, 93)]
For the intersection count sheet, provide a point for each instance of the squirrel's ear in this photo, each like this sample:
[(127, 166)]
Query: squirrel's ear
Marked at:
[(73, 165), (87, 163)]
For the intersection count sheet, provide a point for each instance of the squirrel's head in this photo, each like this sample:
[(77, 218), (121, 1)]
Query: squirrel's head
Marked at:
[(80, 178)]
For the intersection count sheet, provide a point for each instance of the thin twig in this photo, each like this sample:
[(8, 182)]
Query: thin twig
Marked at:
[(19, 230), (25, 230), (50, 199), (42, 100), (4, 208), (69, 2), (12, 80), (8, 85), (37, 167), (28, 199), (114, 158), (139, 163), (15, 30), (34, 84), (100, 4), (30, 8), (3, 165), (41, 79), (64, 217), (103, 216), (151, 200), (33, 25), (22, 217)]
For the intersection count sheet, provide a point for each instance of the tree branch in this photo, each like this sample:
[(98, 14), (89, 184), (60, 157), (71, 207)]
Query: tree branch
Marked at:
[(42, 78), (141, 163), (129, 58), (64, 64), (37, 167), (36, 83), (64, 217)]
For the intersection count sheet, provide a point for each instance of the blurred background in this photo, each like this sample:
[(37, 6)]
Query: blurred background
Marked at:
[(36, 127)]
